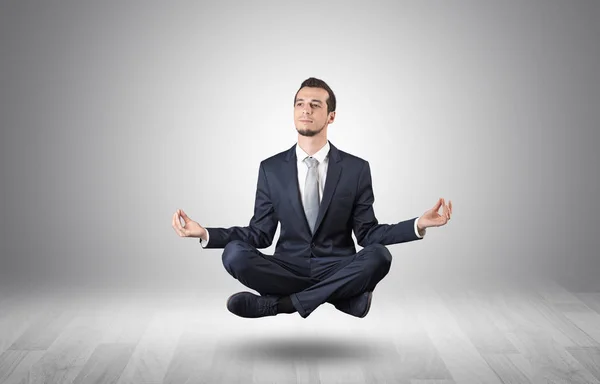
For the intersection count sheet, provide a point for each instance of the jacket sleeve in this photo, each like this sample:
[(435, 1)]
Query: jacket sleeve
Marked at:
[(365, 225), (263, 224)]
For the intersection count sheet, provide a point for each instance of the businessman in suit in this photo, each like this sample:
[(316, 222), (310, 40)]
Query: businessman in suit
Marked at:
[(319, 194)]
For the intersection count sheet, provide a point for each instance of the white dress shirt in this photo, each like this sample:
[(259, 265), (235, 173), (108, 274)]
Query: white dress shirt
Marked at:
[(322, 155)]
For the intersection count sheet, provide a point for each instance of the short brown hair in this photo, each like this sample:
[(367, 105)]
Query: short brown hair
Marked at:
[(318, 83)]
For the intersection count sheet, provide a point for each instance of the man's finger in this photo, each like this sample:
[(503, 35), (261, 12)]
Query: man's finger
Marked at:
[(185, 217), (179, 227), (177, 222), (175, 228)]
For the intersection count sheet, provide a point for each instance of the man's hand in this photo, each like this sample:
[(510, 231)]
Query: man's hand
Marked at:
[(432, 218), (190, 228)]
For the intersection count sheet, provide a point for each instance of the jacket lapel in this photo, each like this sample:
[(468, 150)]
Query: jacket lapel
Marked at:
[(290, 174), (334, 169)]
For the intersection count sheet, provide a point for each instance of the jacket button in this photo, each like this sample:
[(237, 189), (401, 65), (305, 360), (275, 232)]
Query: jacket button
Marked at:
[(312, 245)]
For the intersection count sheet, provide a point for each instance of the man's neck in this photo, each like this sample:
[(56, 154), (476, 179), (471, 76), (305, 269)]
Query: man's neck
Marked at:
[(313, 144)]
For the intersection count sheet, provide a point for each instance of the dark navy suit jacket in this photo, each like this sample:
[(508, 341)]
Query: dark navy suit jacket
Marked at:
[(346, 206)]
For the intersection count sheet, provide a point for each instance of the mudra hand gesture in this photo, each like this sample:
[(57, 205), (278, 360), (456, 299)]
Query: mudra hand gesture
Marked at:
[(190, 228), (432, 218)]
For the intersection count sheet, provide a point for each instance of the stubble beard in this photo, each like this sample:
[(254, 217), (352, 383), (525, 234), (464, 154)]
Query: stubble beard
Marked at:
[(308, 132)]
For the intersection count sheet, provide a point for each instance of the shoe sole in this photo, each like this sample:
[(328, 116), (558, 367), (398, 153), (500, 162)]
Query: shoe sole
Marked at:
[(368, 305)]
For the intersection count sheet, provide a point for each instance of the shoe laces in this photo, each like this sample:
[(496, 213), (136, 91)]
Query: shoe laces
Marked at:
[(268, 305)]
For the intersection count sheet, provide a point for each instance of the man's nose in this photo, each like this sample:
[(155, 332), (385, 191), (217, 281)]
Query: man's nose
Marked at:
[(306, 110)]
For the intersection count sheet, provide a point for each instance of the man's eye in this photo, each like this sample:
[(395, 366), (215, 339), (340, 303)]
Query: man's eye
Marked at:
[(315, 105)]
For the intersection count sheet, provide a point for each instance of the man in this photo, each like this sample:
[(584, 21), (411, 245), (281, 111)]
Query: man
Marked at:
[(319, 194)]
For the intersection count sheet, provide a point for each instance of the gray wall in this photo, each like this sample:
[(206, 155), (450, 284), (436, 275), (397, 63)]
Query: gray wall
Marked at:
[(115, 114)]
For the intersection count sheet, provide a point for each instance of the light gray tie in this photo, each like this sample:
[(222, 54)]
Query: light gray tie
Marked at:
[(311, 192)]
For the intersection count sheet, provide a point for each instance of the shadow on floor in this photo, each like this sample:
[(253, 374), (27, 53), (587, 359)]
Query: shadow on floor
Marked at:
[(314, 348)]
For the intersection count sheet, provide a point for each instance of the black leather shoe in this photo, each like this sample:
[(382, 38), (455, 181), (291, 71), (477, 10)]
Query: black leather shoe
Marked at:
[(246, 304), (356, 306)]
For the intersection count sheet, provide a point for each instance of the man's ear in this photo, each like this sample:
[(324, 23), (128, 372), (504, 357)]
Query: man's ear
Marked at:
[(331, 117)]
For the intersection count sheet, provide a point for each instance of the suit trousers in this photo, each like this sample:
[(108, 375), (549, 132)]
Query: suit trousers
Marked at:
[(309, 281)]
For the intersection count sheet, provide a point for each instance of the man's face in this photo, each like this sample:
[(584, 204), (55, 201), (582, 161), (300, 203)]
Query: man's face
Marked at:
[(310, 111)]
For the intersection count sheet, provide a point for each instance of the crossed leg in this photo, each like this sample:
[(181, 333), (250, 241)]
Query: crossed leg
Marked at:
[(308, 282), (268, 275)]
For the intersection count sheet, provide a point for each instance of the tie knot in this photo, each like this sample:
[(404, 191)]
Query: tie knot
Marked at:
[(311, 162)]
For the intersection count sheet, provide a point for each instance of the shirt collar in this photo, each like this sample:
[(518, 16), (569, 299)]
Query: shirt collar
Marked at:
[(320, 155)]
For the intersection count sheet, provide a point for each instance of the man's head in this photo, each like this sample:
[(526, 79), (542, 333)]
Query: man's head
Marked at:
[(314, 107)]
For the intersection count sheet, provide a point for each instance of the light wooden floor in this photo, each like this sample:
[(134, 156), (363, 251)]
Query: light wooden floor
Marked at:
[(518, 334)]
